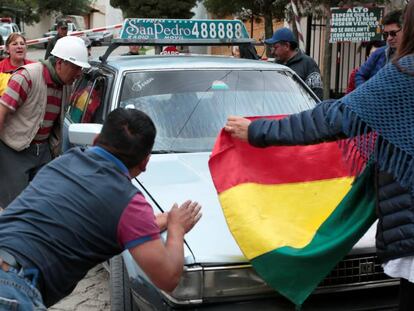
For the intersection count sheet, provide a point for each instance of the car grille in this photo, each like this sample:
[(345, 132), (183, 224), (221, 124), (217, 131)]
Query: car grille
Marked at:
[(356, 269)]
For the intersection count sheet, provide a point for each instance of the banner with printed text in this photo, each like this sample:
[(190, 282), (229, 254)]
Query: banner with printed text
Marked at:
[(356, 24)]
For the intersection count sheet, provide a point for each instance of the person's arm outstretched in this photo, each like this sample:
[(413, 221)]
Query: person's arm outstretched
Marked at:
[(305, 128)]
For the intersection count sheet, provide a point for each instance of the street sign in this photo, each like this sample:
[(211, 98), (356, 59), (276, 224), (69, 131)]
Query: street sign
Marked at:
[(183, 29), (356, 24)]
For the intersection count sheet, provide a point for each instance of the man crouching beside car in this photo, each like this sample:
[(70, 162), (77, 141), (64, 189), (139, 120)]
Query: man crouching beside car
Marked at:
[(82, 209)]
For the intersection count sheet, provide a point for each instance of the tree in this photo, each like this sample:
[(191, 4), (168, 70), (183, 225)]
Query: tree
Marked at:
[(156, 8), (31, 10), (21, 10), (266, 9), (67, 7)]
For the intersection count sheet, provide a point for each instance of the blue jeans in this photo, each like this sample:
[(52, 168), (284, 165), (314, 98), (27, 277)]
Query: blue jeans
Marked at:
[(18, 292)]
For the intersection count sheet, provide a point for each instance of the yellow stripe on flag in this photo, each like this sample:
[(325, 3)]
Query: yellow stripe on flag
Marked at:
[(263, 218)]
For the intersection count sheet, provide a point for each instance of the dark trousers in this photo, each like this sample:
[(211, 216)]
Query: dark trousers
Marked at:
[(406, 295), (17, 169)]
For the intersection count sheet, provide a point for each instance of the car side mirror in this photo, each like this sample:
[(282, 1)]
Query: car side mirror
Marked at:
[(83, 133)]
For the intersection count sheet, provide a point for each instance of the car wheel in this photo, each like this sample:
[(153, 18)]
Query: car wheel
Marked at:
[(120, 291)]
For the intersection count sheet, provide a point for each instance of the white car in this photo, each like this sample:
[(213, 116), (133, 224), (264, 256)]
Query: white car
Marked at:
[(100, 37), (189, 99), (7, 28)]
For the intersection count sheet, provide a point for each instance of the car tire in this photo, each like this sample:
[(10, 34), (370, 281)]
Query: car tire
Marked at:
[(120, 291)]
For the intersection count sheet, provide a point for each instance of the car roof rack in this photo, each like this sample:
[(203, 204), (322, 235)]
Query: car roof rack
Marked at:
[(179, 32)]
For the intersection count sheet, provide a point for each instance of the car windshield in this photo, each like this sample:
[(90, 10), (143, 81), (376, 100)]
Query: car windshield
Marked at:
[(189, 108), (4, 32)]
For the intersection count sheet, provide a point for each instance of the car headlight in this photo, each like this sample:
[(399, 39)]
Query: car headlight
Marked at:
[(209, 284)]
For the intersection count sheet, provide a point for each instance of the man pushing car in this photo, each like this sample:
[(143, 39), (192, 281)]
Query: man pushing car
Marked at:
[(82, 209)]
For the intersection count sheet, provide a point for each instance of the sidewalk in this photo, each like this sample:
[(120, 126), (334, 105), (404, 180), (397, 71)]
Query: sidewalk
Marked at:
[(91, 294)]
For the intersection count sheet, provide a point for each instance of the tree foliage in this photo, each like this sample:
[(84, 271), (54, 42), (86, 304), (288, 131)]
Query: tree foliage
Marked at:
[(222, 8), (66, 7), (20, 9), (246, 8), (277, 9), (250, 9), (31, 10), (156, 8)]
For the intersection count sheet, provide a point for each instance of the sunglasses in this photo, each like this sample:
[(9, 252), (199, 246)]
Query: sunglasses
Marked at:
[(392, 33)]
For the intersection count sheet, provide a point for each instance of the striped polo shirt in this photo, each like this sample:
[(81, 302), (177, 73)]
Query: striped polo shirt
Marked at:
[(16, 94)]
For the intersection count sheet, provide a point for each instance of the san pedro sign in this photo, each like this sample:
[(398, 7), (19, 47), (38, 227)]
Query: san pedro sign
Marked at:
[(183, 29), (356, 24)]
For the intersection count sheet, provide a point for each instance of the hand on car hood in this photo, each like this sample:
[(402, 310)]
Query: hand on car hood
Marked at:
[(171, 178)]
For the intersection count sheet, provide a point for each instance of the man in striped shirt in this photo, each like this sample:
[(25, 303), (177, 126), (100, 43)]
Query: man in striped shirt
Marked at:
[(31, 114)]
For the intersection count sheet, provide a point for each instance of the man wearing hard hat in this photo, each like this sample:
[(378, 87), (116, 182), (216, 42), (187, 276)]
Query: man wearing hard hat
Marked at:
[(31, 115)]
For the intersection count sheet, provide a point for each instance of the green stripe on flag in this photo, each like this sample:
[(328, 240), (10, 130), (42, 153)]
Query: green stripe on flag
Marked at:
[(295, 273)]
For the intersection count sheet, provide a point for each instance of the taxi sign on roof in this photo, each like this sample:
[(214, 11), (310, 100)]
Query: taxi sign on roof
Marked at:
[(143, 29)]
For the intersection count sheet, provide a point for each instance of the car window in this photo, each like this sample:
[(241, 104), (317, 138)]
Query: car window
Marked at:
[(86, 100), (6, 29), (189, 108), (15, 28), (3, 31)]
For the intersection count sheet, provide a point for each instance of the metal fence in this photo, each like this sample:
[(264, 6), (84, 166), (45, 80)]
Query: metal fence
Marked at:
[(345, 55)]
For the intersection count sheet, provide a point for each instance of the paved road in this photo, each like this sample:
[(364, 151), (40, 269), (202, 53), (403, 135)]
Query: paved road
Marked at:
[(91, 294)]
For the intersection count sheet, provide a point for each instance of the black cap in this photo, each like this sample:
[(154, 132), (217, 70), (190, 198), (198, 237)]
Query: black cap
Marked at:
[(62, 24), (282, 34)]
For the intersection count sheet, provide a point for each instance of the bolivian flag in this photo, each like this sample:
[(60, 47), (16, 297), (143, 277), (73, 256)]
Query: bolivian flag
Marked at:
[(294, 211)]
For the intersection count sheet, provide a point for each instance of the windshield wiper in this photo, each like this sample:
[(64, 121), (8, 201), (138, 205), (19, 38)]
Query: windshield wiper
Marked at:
[(169, 151), (162, 151)]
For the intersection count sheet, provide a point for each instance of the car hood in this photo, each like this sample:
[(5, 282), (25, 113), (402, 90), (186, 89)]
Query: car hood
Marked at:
[(175, 178)]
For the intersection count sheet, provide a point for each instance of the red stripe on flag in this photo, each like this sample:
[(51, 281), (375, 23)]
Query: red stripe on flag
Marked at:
[(230, 155)]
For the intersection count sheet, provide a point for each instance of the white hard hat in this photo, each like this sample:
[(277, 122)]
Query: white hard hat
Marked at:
[(72, 49)]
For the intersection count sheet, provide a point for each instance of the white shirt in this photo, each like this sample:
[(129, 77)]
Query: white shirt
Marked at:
[(400, 268)]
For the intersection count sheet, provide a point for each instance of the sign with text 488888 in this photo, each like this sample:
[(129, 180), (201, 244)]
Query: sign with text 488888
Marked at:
[(183, 29)]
